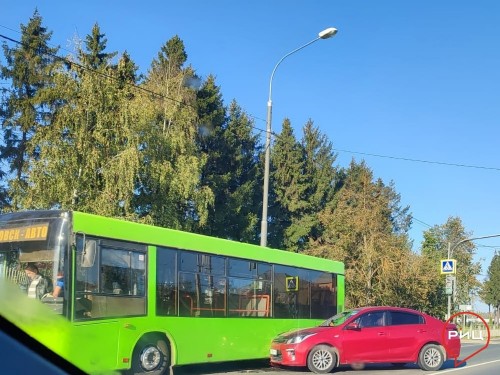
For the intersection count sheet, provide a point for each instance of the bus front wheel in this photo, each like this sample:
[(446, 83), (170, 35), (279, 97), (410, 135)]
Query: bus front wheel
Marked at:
[(151, 357)]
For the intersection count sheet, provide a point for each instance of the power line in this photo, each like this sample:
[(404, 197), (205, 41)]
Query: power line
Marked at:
[(273, 134), (421, 222), (102, 74), (420, 160)]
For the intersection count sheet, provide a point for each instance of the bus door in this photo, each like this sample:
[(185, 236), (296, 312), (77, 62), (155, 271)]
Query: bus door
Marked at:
[(110, 290)]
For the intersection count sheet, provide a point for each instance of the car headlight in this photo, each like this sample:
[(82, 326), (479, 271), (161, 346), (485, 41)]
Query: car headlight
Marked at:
[(299, 338)]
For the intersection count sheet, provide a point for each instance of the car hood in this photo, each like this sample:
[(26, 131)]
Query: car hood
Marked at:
[(305, 331)]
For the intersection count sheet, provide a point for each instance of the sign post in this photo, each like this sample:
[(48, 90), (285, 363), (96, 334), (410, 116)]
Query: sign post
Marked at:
[(449, 268), (450, 282)]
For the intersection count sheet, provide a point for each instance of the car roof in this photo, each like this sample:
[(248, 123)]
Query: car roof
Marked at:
[(393, 308)]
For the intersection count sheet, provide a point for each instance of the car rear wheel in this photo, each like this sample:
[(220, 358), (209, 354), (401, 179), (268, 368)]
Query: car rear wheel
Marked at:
[(322, 359), (431, 357)]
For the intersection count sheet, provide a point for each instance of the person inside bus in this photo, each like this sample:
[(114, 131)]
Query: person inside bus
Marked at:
[(38, 286), (59, 286)]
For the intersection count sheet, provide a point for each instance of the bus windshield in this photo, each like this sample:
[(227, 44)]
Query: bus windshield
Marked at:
[(32, 254)]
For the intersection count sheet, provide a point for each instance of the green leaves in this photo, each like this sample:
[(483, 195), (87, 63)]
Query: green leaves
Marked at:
[(438, 240), (94, 136), (490, 289)]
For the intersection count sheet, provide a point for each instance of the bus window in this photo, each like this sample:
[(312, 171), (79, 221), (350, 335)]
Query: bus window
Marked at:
[(323, 294), (166, 287), (202, 295), (249, 297), (242, 268), (291, 302), (109, 281), (86, 272), (196, 262)]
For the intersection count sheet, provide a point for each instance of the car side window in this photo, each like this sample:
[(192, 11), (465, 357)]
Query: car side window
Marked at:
[(400, 318), (371, 319)]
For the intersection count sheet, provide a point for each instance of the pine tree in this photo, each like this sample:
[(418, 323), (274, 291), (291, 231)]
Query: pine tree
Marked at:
[(288, 187), (320, 176), (94, 56), (26, 105), (232, 169), (491, 287), (127, 74)]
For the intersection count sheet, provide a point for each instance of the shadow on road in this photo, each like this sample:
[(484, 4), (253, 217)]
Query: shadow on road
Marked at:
[(213, 368), (263, 366)]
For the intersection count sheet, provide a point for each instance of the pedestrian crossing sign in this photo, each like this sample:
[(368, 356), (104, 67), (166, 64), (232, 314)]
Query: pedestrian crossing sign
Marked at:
[(292, 283), (448, 266)]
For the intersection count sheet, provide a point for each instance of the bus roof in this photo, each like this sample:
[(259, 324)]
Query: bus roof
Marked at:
[(148, 234), (115, 228)]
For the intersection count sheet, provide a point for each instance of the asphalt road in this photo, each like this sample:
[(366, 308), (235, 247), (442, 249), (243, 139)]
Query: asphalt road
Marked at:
[(485, 362)]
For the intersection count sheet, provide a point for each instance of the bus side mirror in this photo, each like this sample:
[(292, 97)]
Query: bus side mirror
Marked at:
[(88, 254)]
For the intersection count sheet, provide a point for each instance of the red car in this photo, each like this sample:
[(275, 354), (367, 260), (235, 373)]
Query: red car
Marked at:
[(369, 335)]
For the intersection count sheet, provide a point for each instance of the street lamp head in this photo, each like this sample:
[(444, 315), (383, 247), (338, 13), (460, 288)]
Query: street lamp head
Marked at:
[(327, 33)]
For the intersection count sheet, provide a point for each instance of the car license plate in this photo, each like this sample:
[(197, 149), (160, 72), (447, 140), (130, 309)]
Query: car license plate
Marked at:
[(273, 352)]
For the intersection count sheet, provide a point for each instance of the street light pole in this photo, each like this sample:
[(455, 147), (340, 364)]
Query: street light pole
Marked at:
[(450, 253), (325, 34)]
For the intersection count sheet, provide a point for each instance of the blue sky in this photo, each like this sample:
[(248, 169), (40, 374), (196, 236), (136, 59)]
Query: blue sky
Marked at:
[(402, 79)]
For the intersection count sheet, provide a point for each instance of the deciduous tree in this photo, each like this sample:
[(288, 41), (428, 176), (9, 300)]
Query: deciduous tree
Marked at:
[(438, 242), (359, 231), (169, 189)]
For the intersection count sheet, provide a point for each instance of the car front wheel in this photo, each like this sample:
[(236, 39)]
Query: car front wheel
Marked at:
[(431, 357), (322, 359)]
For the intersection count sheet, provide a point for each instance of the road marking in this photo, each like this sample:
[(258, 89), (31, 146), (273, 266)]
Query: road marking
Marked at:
[(465, 367)]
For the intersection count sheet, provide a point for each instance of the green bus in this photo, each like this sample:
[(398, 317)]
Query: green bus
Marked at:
[(154, 297)]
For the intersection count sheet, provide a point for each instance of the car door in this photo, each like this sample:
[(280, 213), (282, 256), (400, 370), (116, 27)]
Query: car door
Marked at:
[(406, 333), (367, 342)]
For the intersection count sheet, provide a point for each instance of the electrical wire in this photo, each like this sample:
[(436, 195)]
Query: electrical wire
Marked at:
[(273, 134), (102, 74)]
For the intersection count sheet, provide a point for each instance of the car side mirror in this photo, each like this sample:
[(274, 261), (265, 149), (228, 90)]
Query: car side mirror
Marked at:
[(353, 327)]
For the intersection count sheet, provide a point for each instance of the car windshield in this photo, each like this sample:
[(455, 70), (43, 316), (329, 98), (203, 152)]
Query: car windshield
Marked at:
[(338, 319)]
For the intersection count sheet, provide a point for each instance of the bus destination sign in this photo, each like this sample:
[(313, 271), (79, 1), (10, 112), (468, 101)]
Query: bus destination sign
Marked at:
[(36, 232)]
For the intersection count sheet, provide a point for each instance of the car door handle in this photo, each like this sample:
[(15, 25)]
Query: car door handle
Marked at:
[(381, 333), (421, 330)]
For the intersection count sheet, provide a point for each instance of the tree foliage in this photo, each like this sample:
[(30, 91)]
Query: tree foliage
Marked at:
[(303, 180), (450, 240), (359, 231), (87, 132), (26, 106), (89, 155), (232, 169), (490, 290), (170, 190), (287, 186)]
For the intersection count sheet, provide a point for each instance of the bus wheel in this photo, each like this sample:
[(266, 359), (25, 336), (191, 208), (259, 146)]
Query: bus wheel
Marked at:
[(151, 356)]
